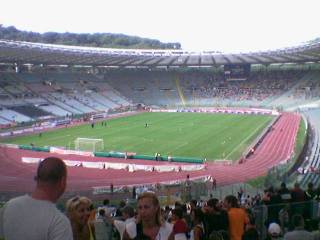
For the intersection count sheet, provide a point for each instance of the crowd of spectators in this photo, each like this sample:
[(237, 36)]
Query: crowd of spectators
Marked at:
[(277, 214), (258, 86), (308, 89)]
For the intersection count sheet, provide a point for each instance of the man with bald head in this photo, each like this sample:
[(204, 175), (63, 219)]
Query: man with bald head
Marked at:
[(36, 217)]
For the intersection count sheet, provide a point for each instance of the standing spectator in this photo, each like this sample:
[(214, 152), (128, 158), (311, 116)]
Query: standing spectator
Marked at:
[(107, 207), (36, 216), (284, 193), (310, 192), (188, 189), (149, 224), (134, 193), (298, 198), (101, 228), (274, 231), (127, 216), (317, 193), (237, 217), (193, 204), (315, 231), (197, 232), (284, 218), (310, 195), (297, 193), (251, 232), (214, 184), (180, 228), (240, 194), (215, 218), (121, 205), (111, 188), (298, 233), (273, 200), (78, 211)]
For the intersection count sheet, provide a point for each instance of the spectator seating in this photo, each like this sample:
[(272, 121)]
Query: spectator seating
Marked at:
[(30, 111), (313, 164), (13, 116)]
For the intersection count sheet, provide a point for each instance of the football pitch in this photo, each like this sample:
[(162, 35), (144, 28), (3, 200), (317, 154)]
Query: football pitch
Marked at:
[(204, 135)]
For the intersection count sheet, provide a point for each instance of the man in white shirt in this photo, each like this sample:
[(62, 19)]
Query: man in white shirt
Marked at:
[(36, 217)]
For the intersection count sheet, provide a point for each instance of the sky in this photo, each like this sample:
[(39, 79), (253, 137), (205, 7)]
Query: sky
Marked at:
[(216, 25)]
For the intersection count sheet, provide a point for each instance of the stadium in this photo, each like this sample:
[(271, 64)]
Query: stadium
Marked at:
[(183, 124), (129, 117), (159, 120)]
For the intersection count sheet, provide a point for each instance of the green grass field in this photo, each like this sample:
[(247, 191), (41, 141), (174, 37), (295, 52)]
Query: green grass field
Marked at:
[(211, 136)]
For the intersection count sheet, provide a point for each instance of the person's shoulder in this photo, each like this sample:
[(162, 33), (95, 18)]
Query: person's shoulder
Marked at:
[(60, 217), (287, 234), (131, 229), (167, 226), (129, 220), (21, 200), (166, 229), (131, 224), (119, 223), (60, 227), (306, 235)]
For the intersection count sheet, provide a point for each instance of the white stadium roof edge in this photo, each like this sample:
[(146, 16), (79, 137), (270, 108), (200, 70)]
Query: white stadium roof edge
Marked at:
[(17, 52)]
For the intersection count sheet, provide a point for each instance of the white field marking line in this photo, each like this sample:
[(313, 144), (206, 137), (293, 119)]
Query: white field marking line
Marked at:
[(249, 136), (179, 146)]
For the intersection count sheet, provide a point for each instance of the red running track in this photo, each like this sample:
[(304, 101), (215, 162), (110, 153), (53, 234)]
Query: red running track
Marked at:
[(277, 146)]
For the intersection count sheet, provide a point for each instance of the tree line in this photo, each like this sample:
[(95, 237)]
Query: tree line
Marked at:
[(106, 40)]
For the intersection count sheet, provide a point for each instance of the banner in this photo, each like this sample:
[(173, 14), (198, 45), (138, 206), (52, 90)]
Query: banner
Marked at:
[(124, 166), (69, 152)]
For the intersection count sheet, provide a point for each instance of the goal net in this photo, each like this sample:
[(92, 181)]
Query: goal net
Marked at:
[(89, 144)]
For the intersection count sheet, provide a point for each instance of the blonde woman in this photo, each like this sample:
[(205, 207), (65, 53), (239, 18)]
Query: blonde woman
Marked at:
[(149, 224), (78, 211)]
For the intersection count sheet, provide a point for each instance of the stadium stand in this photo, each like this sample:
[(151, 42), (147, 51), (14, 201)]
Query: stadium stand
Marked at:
[(79, 93), (263, 89), (30, 111), (13, 116), (310, 168)]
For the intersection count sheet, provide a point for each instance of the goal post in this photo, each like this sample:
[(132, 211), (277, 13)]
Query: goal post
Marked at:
[(89, 144)]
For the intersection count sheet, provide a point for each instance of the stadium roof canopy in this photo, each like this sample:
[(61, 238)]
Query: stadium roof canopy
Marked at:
[(48, 54)]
